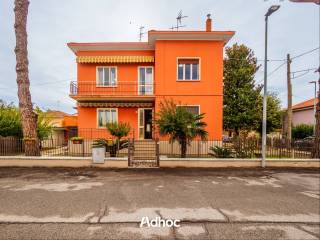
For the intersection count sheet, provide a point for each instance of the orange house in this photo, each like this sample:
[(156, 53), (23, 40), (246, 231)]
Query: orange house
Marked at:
[(126, 81)]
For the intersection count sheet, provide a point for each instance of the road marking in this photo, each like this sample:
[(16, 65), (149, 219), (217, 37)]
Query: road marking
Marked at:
[(236, 215), (290, 231), (51, 219), (59, 187)]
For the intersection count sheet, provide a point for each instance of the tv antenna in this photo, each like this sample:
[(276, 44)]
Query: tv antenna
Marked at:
[(179, 21), (141, 33)]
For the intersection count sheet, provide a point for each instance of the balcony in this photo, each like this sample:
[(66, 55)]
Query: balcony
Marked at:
[(122, 90)]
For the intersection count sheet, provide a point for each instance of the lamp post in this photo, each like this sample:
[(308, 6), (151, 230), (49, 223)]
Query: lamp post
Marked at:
[(271, 10), (314, 106)]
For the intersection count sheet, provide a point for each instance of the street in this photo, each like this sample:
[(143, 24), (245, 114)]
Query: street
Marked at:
[(88, 203)]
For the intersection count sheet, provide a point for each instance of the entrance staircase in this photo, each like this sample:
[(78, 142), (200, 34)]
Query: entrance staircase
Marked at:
[(143, 154)]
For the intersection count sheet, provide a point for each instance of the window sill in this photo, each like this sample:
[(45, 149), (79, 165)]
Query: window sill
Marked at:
[(98, 86), (188, 80)]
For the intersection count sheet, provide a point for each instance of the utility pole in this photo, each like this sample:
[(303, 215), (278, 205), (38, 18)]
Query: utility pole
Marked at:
[(271, 10), (289, 108), (317, 137)]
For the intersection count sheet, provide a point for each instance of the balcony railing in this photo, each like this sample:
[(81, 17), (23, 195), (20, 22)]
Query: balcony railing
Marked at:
[(128, 88)]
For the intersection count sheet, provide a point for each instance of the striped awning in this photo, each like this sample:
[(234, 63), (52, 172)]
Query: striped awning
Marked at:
[(115, 59), (115, 104)]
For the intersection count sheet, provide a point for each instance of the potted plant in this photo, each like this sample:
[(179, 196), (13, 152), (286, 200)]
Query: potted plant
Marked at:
[(117, 130), (77, 140), (98, 150)]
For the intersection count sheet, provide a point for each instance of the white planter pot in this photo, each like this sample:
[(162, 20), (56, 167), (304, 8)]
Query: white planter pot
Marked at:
[(98, 155)]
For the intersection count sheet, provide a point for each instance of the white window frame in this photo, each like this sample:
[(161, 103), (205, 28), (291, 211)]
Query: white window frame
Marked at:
[(97, 76), (139, 126), (191, 105), (104, 109), (139, 93), (188, 80)]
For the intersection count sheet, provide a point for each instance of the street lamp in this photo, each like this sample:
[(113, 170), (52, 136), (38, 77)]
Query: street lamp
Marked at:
[(314, 106), (271, 10)]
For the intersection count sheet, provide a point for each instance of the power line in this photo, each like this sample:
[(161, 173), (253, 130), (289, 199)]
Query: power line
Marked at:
[(305, 70), (258, 60), (44, 83), (277, 68), (307, 52)]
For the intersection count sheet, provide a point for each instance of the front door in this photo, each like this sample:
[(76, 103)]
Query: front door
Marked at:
[(145, 123)]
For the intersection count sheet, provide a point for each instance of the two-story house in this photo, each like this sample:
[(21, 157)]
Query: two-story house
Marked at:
[(126, 81)]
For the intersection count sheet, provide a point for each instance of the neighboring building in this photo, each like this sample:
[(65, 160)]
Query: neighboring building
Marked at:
[(303, 113), (64, 125), (126, 81)]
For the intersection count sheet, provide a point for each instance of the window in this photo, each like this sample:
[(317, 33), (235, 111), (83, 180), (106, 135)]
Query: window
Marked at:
[(192, 109), (107, 115), (188, 69), (145, 80), (107, 76)]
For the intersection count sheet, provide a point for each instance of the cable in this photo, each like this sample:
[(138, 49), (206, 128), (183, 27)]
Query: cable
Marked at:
[(276, 69), (307, 52), (44, 83), (293, 77), (304, 70), (258, 60)]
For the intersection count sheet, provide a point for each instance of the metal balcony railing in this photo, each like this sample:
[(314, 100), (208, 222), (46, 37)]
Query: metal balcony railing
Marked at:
[(121, 88)]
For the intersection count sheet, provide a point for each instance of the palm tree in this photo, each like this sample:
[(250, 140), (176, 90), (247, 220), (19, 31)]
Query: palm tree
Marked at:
[(28, 116), (119, 130), (180, 125)]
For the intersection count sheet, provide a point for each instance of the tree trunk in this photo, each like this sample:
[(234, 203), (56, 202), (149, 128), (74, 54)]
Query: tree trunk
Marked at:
[(28, 116), (183, 145), (317, 137)]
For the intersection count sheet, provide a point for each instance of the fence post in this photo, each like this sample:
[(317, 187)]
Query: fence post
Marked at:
[(157, 152), (129, 153)]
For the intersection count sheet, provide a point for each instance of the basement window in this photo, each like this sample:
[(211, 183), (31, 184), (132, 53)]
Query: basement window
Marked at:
[(188, 69)]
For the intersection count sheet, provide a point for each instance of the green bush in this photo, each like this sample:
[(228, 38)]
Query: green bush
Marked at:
[(302, 131), (98, 143), (220, 152)]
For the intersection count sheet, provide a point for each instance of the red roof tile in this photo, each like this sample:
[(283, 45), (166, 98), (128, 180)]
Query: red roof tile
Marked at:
[(305, 104)]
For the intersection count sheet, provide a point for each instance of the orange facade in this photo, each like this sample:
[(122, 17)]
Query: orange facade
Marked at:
[(127, 81)]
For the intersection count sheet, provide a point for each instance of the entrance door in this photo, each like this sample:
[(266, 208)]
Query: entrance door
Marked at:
[(145, 123)]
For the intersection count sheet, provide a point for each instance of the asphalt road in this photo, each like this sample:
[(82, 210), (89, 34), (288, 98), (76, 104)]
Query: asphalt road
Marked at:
[(60, 203)]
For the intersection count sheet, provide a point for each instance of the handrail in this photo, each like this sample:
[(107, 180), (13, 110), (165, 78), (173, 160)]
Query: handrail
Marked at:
[(127, 88)]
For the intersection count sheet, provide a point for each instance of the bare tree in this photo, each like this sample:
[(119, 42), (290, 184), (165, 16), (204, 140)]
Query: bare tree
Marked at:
[(28, 116)]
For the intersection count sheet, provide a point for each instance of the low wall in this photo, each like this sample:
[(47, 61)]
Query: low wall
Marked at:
[(231, 162), (13, 161), (122, 162)]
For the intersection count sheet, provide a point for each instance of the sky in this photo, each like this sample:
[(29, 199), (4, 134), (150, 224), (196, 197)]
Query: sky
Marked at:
[(293, 29)]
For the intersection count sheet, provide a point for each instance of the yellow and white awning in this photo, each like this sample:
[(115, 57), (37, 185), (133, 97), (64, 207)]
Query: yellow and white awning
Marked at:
[(116, 104), (115, 59)]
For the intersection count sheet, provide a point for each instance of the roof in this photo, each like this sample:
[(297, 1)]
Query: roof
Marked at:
[(224, 36), (56, 114), (304, 105), (153, 35), (110, 46)]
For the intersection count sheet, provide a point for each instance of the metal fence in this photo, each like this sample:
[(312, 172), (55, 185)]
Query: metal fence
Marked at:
[(241, 148), (233, 148)]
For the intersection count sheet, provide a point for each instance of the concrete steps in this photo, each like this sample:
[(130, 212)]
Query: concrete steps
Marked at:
[(144, 154)]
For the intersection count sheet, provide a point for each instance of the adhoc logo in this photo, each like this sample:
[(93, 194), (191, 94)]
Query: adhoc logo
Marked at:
[(158, 222)]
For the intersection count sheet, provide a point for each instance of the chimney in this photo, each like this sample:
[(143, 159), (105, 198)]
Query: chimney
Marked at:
[(208, 23)]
